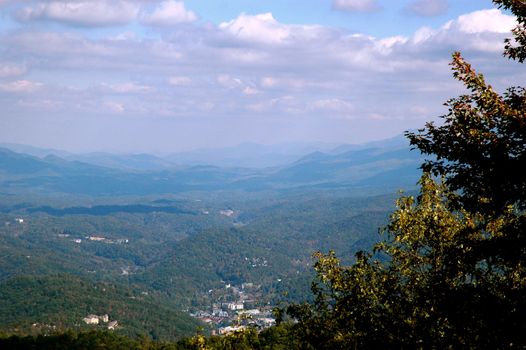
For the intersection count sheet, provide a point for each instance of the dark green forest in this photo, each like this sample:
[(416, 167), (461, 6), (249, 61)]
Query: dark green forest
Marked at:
[(66, 261)]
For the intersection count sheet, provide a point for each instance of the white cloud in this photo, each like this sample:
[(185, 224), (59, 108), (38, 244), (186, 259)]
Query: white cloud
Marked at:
[(125, 88), (8, 70), (428, 8), (308, 55), (124, 36), (377, 117), (169, 13), (6, 2), (282, 104), (39, 104), (356, 5), (282, 83), (248, 90), (419, 110), (265, 29), (20, 86), (229, 82), (247, 53), (479, 31), (82, 12), (262, 28), (423, 34), (179, 81), (333, 104), (268, 82), (253, 63), (493, 21), (73, 51), (386, 45), (115, 107)]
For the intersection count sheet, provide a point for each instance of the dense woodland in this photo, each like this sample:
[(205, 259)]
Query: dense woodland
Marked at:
[(53, 274), (448, 271)]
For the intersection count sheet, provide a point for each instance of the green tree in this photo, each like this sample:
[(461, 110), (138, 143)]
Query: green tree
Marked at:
[(410, 301), (481, 144), (453, 267)]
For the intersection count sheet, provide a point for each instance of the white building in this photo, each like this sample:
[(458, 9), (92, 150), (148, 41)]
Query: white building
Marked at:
[(235, 306), (228, 330), (252, 312), (227, 212), (91, 319)]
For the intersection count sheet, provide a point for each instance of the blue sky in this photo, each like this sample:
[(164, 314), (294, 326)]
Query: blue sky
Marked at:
[(166, 76)]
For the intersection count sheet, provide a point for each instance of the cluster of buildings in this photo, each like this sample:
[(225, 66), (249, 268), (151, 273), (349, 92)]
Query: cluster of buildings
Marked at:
[(96, 320), (17, 220), (227, 212), (236, 308), (96, 239), (107, 240)]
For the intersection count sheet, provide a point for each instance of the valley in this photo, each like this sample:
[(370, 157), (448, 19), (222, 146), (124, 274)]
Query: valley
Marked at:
[(223, 254)]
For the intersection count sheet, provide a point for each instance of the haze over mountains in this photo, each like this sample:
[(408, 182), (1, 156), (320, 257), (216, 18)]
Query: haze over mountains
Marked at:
[(247, 167)]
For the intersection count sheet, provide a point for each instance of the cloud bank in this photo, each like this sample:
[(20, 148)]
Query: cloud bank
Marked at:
[(84, 13), (251, 77), (356, 5)]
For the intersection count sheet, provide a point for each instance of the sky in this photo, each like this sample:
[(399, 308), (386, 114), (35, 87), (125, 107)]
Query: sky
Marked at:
[(155, 76)]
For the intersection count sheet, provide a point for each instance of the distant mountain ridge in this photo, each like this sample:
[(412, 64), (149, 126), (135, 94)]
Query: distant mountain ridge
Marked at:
[(249, 155), (245, 155), (385, 164)]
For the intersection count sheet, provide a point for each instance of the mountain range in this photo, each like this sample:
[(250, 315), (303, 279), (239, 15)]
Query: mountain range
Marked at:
[(369, 167)]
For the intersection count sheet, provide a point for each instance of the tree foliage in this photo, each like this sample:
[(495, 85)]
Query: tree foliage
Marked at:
[(515, 48), (480, 145), (451, 272), (432, 293), (482, 142)]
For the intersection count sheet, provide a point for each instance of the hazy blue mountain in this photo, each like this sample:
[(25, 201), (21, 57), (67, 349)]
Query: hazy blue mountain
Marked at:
[(24, 164), (17, 163), (23, 173), (137, 162), (399, 141), (382, 168), (380, 165), (34, 151), (249, 155)]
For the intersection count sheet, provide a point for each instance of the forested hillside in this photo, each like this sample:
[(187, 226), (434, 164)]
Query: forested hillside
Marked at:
[(47, 304), (167, 253)]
